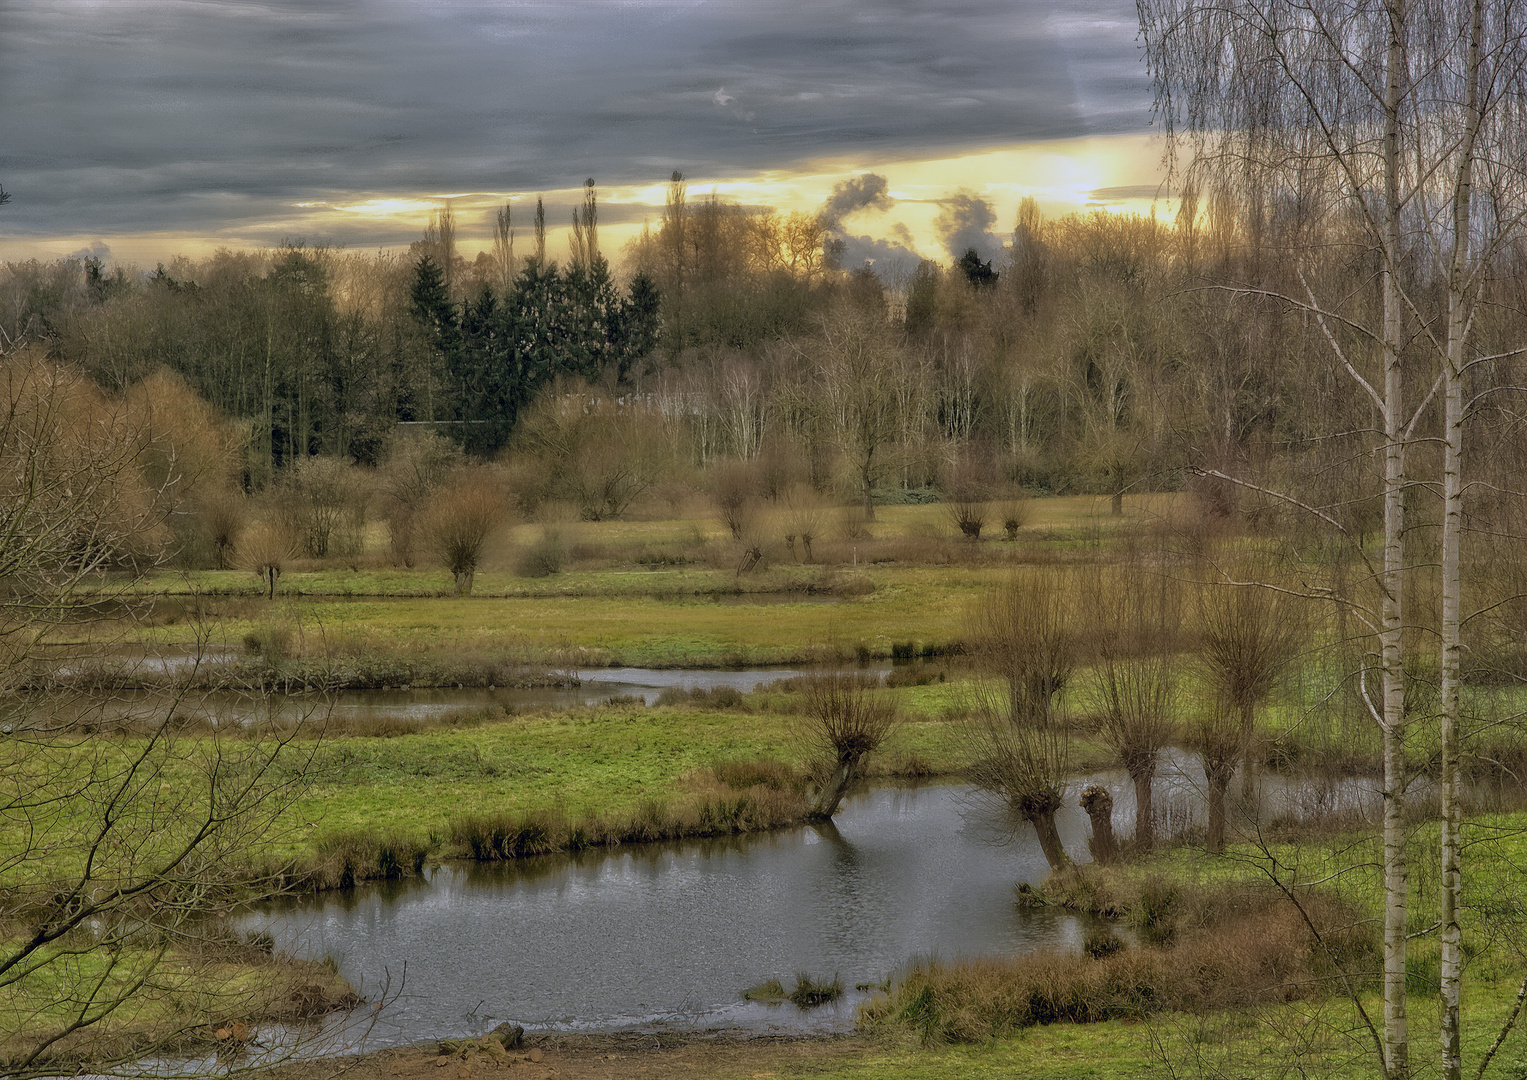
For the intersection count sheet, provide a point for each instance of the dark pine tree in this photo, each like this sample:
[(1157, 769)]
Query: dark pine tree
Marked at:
[(978, 273)]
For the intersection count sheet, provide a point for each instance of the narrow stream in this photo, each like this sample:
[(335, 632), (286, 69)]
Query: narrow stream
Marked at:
[(423, 705)]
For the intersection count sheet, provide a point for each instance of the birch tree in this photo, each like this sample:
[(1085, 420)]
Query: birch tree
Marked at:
[(1405, 117)]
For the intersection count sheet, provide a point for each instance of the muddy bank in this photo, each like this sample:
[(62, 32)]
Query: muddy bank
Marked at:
[(600, 1057)]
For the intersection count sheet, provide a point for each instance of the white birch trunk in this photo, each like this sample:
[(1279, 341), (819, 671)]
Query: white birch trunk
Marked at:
[(1452, 586), (1396, 886)]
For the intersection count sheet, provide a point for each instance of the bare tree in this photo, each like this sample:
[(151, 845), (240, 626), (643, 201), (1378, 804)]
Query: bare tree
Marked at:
[(1250, 630), (968, 486), (803, 516), (322, 501), (415, 468), (265, 550), (121, 850), (1018, 738), (847, 718), (1134, 631), (503, 248), (597, 453), (858, 366)]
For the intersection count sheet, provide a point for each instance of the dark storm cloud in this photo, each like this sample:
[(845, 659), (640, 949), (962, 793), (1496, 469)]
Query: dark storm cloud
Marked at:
[(964, 222), (216, 117)]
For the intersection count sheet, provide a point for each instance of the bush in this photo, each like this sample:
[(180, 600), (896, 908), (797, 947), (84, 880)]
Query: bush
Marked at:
[(543, 558), (853, 523), (461, 519), (416, 467), (1256, 948), (322, 503)]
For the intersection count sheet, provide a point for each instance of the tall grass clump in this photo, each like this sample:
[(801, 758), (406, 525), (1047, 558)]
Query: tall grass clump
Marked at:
[(1258, 949), (714, 811), (341, 860)]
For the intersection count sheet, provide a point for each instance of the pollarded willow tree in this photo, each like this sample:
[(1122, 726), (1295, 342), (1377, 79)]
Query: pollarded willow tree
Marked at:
[(1018, 736), (1388, 134)]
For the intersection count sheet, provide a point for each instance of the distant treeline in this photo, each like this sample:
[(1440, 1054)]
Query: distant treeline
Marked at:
[(1100, 352)]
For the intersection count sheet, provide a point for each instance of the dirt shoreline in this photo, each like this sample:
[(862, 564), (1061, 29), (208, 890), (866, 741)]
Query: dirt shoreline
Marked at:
[(722, 1054)]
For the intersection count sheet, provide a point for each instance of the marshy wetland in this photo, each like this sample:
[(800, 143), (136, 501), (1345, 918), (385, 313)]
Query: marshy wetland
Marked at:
[(583, 803)]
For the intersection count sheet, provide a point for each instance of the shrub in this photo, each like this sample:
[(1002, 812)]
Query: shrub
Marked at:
[(543, 558), (853, 523), (417, 465), (322, 502), (1256, 948), (266, 550), (461, 519)]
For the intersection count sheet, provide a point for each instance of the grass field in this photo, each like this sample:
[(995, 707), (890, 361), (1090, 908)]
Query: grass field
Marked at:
[(649, 593)]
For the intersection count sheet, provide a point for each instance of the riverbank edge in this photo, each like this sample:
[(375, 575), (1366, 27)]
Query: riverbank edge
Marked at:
[(345, 860), (596, 1056), (256, 988)]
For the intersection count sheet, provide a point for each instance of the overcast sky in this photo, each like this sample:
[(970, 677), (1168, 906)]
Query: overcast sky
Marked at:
[(217, 118)]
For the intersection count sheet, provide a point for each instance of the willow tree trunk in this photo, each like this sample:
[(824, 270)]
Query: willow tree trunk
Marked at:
[(1218, 777), (1099, 806), (831, 793), (1049, 840), (1249, 754), (1144, 780)]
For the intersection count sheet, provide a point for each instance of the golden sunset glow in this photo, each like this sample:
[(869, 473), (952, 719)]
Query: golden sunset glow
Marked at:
[(1064, 176)]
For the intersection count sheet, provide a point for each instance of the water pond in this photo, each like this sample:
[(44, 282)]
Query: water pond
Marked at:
[(670, 935)]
